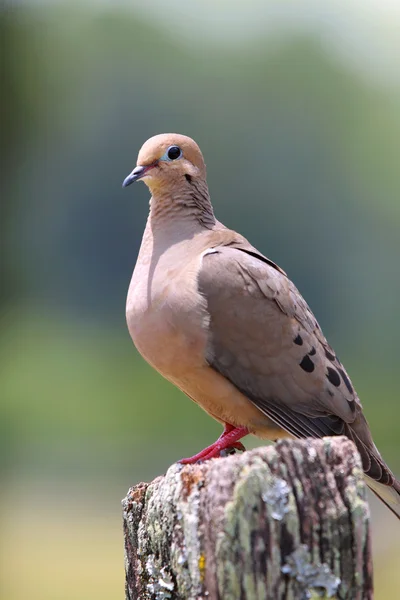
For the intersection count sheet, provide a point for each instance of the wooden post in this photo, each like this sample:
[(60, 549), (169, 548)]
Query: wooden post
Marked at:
[(288, 521)]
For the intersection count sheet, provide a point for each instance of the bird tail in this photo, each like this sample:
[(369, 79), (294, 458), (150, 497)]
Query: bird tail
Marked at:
[(389, 495)]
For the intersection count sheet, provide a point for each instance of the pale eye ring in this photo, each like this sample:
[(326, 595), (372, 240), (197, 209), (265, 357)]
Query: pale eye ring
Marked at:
[(173, 153)]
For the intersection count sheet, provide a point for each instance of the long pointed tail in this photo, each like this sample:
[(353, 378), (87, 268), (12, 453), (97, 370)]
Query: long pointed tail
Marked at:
[(388, 495)]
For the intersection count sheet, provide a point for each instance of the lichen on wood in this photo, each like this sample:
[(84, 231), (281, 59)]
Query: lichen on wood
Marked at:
[(288, 521)]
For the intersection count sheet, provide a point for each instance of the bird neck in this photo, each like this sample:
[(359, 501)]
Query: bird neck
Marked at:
[(188, 206)]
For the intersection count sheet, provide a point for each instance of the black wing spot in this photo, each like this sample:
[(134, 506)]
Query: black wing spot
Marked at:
[(312, 351), (352, 405), (346, 381), (188, 177), (329, 355), (298, 340), (333, 377), (307, 364)]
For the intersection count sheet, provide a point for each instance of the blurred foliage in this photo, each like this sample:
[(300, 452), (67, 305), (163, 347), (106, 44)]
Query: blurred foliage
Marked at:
[(302, 153)]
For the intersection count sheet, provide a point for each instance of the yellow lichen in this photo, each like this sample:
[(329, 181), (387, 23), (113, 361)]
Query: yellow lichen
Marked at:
[(202, 566)]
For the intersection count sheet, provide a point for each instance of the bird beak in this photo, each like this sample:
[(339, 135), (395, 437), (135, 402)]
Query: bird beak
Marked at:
[(137, 173)]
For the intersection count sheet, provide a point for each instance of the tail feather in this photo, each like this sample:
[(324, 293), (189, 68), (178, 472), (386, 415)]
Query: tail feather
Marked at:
[(378, 476), (388, 495)]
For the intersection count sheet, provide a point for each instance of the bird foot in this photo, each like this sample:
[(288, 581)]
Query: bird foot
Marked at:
[(229, 439)]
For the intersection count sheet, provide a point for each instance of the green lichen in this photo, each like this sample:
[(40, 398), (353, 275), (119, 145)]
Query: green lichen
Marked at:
[(256, 490)]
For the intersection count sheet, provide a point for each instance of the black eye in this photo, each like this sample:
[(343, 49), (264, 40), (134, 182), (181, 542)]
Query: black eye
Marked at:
[(174, 152)]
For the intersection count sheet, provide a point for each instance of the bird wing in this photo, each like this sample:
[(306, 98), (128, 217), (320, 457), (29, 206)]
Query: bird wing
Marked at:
[(264, 338)]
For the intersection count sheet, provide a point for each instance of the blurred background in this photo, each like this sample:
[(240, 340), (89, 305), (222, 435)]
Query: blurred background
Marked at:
[(296, 106)]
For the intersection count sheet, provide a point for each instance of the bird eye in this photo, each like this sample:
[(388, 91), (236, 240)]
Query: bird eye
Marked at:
[(174, 152)]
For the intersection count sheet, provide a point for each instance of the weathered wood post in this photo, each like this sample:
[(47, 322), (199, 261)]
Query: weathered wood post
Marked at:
[(289, 521)]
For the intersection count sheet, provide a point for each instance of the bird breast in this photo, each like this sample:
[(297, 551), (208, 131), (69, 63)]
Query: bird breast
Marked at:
[(167, 319)]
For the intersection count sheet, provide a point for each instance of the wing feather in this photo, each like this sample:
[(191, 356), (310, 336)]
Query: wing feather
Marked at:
[(264, 338)]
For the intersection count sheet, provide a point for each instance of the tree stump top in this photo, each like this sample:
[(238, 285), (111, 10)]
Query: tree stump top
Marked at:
[(286, 521)]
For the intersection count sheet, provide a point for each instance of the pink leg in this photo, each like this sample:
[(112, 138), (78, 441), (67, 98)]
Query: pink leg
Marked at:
[(228, 439)]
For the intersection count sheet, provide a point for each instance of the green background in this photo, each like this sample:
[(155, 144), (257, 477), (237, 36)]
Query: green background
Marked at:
[(296, 106)]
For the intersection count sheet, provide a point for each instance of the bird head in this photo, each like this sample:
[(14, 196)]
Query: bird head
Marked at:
[(168, 159)]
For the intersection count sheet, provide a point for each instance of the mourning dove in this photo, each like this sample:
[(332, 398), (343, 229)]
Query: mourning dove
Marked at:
[(227, 326)]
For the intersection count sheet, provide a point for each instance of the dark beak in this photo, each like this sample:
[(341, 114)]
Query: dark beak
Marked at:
[(136, 174)]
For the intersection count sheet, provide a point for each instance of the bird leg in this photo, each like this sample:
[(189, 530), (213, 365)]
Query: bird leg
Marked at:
[(228, 439)]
